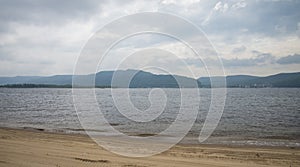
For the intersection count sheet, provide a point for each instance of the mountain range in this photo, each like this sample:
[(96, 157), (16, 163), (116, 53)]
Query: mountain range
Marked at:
[(143, 79), (245, 81), (119, 79)]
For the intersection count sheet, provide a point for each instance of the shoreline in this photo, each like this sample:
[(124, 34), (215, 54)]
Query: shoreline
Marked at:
[(33, 147), (188, 140)]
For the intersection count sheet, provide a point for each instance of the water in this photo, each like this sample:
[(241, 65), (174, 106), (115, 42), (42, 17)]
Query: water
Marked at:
[(268, 116)]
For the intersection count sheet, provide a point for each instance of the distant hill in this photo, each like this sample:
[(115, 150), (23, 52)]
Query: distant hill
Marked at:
[(51, 80), (142, 79), (122, 79), (278, 80)]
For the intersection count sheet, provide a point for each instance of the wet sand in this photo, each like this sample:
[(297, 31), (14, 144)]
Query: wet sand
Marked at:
[(38, 148)]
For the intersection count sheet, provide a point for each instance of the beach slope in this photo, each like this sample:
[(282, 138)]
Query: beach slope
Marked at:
[(37, 148)]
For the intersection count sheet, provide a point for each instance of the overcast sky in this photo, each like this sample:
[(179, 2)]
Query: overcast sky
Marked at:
[(257, 37)]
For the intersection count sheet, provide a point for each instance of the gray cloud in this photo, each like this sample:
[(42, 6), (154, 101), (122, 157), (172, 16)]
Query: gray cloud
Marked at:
[(258, 60), (290, 59), (265, 17), (35, 33), (46, 12), (240, 49)]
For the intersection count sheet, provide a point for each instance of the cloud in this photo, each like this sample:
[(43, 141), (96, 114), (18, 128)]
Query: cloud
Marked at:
[(55, 11), (298, 30), (261, 59), (263, 17), (238, 5), (222, 7), (45, 37), (258, 60), (290, 59), (240, 49)]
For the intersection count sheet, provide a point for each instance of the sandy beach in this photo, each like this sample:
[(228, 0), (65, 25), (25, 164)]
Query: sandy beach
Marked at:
[(38, 148)]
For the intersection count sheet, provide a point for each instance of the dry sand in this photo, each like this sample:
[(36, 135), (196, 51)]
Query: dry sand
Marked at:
[(34, 148)]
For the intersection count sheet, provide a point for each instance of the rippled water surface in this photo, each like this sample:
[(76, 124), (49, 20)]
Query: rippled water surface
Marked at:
[(267, 116)]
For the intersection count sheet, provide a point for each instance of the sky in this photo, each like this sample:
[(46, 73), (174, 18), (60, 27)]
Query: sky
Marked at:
[(254, 37)]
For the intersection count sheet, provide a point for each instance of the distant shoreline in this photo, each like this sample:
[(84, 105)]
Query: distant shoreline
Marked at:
[(144, 79), (103, 87), (46, 86)]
